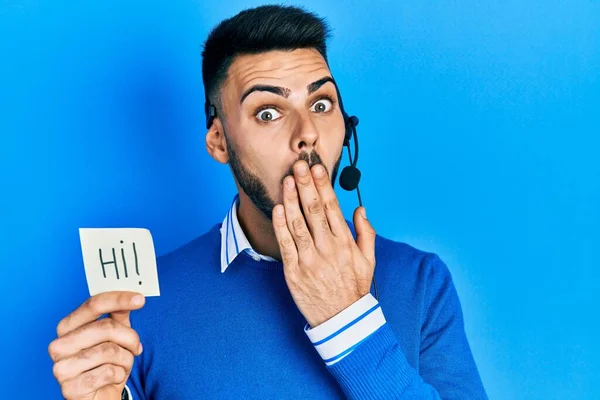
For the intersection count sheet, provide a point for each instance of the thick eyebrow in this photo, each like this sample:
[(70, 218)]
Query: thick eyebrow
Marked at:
[(278, 90), (313, 87), (285, 92)]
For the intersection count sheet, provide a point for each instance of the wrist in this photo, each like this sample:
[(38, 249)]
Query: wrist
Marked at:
[(333, 311), (339, 336)]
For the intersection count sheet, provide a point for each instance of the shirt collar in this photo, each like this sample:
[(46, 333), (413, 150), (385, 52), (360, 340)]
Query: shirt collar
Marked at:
[(233, 239)]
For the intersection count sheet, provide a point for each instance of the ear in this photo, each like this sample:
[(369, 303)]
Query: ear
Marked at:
[(215, 142)]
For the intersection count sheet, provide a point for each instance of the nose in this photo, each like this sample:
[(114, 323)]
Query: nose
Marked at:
[(306, 136)]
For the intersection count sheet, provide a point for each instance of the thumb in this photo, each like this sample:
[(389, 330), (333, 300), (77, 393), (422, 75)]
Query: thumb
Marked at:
[(365, 235)]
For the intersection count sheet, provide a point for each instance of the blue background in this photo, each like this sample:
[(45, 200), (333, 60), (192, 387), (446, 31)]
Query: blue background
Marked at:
[(479, 133)]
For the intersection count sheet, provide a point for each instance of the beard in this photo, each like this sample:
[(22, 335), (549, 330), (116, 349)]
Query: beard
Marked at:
[(256, 189)]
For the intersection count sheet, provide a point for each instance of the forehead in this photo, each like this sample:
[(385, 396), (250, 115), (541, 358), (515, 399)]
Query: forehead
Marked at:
[(293, 69)]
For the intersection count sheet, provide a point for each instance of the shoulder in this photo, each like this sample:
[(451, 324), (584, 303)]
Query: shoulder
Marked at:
[(402, 255), (417, 279), (404, 261), (403, 268), (199, 251), (183, 273)]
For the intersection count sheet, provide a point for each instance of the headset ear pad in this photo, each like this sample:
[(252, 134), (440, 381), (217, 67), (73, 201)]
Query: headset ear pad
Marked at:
[(348, 134), (348, 128)]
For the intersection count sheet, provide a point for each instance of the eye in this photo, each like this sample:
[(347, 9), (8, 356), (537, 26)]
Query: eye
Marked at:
[(322, 106), (268, 115)]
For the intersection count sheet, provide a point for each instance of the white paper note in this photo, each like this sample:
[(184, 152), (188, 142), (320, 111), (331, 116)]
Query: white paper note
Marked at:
[(119, 259)]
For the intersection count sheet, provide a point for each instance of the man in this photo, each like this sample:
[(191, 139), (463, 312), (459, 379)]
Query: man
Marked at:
[(275, 301)]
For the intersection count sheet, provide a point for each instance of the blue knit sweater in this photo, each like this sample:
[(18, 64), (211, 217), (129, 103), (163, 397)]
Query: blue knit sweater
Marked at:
[(239, 335)]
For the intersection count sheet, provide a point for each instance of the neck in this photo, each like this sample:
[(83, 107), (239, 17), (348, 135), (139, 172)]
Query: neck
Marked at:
[(257, 228)]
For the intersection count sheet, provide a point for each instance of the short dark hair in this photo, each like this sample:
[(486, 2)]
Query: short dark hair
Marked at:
[(258, 30)]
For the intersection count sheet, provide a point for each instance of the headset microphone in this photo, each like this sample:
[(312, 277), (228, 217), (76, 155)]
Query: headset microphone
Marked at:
[(350, 175)]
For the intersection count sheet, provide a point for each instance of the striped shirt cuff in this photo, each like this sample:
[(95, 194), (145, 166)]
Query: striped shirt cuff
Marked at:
[(339, 336)]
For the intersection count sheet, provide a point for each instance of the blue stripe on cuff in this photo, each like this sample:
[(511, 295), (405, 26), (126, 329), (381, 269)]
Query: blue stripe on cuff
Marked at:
[(343, 353), (348, 325)]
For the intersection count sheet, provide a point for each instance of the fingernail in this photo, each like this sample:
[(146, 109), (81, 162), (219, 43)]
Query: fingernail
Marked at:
[(140, 349), (290, 183), (279, 210), (301, 169), (319, 171), (137, 300), (364, 212)]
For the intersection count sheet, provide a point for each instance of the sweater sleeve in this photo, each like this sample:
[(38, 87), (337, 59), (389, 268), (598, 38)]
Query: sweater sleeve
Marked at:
[(378, 369)]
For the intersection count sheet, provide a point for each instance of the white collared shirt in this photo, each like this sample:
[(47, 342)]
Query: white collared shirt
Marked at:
[(233, 239), (334, 339)]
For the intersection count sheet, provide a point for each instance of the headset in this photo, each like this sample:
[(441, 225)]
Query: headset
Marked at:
[(350, 175)]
